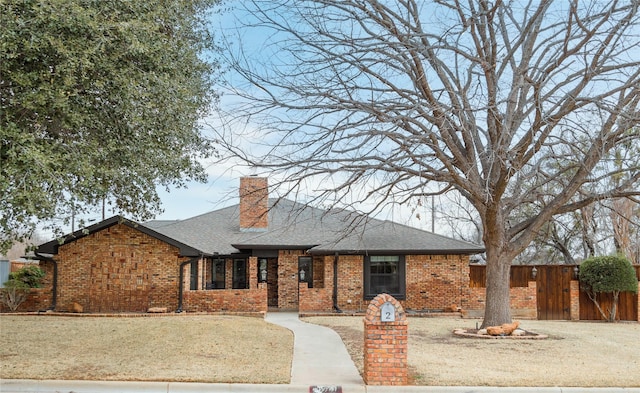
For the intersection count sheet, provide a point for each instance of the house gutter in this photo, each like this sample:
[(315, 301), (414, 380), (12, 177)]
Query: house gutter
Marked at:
[(180, 296), (335, 284), (54, 286)]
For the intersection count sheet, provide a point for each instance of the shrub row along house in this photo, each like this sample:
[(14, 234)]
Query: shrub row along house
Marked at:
[(261, 253)]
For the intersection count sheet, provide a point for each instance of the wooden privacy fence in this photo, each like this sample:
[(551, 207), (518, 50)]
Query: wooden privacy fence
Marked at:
[(627, 306), (553, 292)]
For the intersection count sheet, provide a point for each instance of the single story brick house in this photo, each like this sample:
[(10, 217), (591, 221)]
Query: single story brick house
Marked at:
[(261, 253)]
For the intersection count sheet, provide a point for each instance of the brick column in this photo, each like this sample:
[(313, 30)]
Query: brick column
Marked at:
[(327, 262), (253, 272), (385, 343), (575, 300)]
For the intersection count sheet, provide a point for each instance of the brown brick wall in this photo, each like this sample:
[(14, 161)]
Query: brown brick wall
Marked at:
[(432, 282), (315, 299), (228, 273), (14, 266), (288, 279), (320, 297), (436, 282), (575, 300), (254, 203), (318, 272), (252, 299), (226, 300), (350, 285), (39, 299), (523, 301), (118, 269)]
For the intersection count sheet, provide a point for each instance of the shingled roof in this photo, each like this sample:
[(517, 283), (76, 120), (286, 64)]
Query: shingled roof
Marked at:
[(297, 226)]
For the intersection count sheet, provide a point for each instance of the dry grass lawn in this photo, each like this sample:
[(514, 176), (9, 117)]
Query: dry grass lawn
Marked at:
[(195, 348), (586, 354), (206, 348)]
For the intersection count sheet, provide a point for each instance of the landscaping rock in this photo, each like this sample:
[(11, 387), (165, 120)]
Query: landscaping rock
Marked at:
[(495, 331), (510, 327), (76, 307), (518, 332), (503, 330)]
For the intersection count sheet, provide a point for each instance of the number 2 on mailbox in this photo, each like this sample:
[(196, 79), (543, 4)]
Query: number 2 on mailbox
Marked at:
[(387, 312)]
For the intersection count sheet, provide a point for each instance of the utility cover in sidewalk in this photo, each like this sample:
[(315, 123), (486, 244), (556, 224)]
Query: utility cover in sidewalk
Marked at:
[(325, 389)]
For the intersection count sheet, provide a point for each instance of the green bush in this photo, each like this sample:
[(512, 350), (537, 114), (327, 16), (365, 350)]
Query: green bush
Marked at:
[(27, 277), (607, 274), (20, 282)]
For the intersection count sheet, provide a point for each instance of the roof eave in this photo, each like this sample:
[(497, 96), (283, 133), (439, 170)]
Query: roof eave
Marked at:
[(327, 251), (273, 246)]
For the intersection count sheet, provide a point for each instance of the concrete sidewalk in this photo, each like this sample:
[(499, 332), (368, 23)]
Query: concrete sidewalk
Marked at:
[(319, 355)]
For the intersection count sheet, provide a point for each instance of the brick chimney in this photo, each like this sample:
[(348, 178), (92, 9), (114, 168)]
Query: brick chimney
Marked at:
[(254, 204)]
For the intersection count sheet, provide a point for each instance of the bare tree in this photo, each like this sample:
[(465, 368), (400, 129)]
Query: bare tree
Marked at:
[(512, 103), (625, 212), (601, 228), (625, 219)]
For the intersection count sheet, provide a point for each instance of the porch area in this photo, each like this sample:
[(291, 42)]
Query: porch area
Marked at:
[(288, 281)]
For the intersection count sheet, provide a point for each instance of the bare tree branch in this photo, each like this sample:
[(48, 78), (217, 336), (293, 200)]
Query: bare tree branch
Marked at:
[(518, 106)]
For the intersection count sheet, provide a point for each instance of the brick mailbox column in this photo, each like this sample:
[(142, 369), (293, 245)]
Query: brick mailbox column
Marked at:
[(385, 342)]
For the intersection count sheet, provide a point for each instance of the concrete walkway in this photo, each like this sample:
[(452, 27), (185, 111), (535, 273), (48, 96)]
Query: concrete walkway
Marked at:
[(319, 355)]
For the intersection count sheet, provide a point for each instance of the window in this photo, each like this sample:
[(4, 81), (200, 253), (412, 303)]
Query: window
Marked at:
[(305, 270), (240, 274), (384, 274), (218, 274), (193, 279)]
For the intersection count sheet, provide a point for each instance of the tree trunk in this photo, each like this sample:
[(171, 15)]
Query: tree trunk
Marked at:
[(614, 306), (497, 308), (594, 298)]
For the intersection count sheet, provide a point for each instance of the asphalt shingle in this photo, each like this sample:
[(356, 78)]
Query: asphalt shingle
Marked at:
[(296, 226)]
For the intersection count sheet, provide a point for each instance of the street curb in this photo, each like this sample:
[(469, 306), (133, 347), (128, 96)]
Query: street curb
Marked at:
[(61, 386)]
